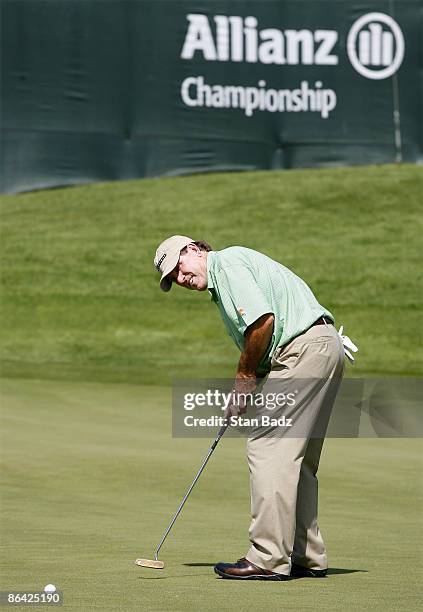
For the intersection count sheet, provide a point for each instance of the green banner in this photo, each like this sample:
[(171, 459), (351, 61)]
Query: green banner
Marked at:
[(96, 90)]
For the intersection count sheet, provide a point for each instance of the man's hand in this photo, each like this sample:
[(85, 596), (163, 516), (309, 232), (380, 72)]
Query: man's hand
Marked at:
[(231, 411), (242, 396)]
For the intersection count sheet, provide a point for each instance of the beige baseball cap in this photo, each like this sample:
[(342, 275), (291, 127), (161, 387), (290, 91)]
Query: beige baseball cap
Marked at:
[(167, 256)]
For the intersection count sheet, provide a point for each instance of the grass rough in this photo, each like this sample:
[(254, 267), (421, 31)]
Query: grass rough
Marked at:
[(80, 297)]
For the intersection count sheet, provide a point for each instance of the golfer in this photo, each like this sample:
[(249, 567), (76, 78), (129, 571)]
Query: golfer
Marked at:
[(285, 336)]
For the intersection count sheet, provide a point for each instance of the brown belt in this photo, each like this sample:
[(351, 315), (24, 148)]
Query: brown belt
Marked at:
[(320, 321)]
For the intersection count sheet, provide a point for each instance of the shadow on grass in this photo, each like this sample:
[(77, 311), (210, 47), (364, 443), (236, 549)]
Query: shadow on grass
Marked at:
[(340, 570), (331, 570), (171, 577)]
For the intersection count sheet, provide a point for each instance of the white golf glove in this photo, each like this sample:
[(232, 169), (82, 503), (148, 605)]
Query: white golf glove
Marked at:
[(348, 345)]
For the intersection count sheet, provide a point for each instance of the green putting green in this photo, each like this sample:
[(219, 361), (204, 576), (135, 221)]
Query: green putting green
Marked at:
[(92, 476)]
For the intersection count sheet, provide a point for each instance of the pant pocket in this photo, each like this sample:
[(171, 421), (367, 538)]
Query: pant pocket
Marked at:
[(282, 360)]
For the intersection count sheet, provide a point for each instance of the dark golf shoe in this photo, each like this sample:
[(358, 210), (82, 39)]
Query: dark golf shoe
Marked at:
[(297, 571), (245, 570)]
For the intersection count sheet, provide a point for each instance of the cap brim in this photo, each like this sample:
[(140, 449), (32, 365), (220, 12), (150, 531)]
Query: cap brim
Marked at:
[(165, 283), (172, 260)]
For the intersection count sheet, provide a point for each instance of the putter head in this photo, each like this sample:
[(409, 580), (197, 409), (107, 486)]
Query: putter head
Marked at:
[(150, 563)]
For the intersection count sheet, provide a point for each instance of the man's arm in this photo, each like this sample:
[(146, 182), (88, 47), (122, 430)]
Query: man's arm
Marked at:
[(257, 339)]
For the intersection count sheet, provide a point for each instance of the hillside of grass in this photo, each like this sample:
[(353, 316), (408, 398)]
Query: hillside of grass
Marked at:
[(80, 297)]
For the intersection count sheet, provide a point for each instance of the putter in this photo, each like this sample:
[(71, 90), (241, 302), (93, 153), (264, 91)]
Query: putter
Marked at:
[(155, 563)]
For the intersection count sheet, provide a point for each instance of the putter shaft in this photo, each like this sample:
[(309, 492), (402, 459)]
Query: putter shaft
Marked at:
[(203, 465)]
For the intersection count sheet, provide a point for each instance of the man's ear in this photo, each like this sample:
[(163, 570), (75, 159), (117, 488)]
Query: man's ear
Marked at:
[(194, 247)]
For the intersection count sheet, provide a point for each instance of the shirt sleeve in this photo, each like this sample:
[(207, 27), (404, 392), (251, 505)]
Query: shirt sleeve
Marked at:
[(247, 298)]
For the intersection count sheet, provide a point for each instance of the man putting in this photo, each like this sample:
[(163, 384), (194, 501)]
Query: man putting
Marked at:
[(285, 336)]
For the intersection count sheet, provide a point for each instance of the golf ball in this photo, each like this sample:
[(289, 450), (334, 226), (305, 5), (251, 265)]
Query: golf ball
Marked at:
[(49, 588)]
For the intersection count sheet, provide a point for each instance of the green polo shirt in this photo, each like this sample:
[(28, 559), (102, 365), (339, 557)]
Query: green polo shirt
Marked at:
[(245, 285)]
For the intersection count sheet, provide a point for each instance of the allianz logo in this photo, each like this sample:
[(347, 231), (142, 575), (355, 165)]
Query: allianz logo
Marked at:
[(375, 43)]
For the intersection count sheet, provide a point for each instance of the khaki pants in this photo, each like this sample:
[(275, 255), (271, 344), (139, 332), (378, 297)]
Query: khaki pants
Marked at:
[(282, 467)]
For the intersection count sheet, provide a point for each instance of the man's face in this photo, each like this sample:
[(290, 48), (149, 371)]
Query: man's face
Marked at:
[(191, 269)]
